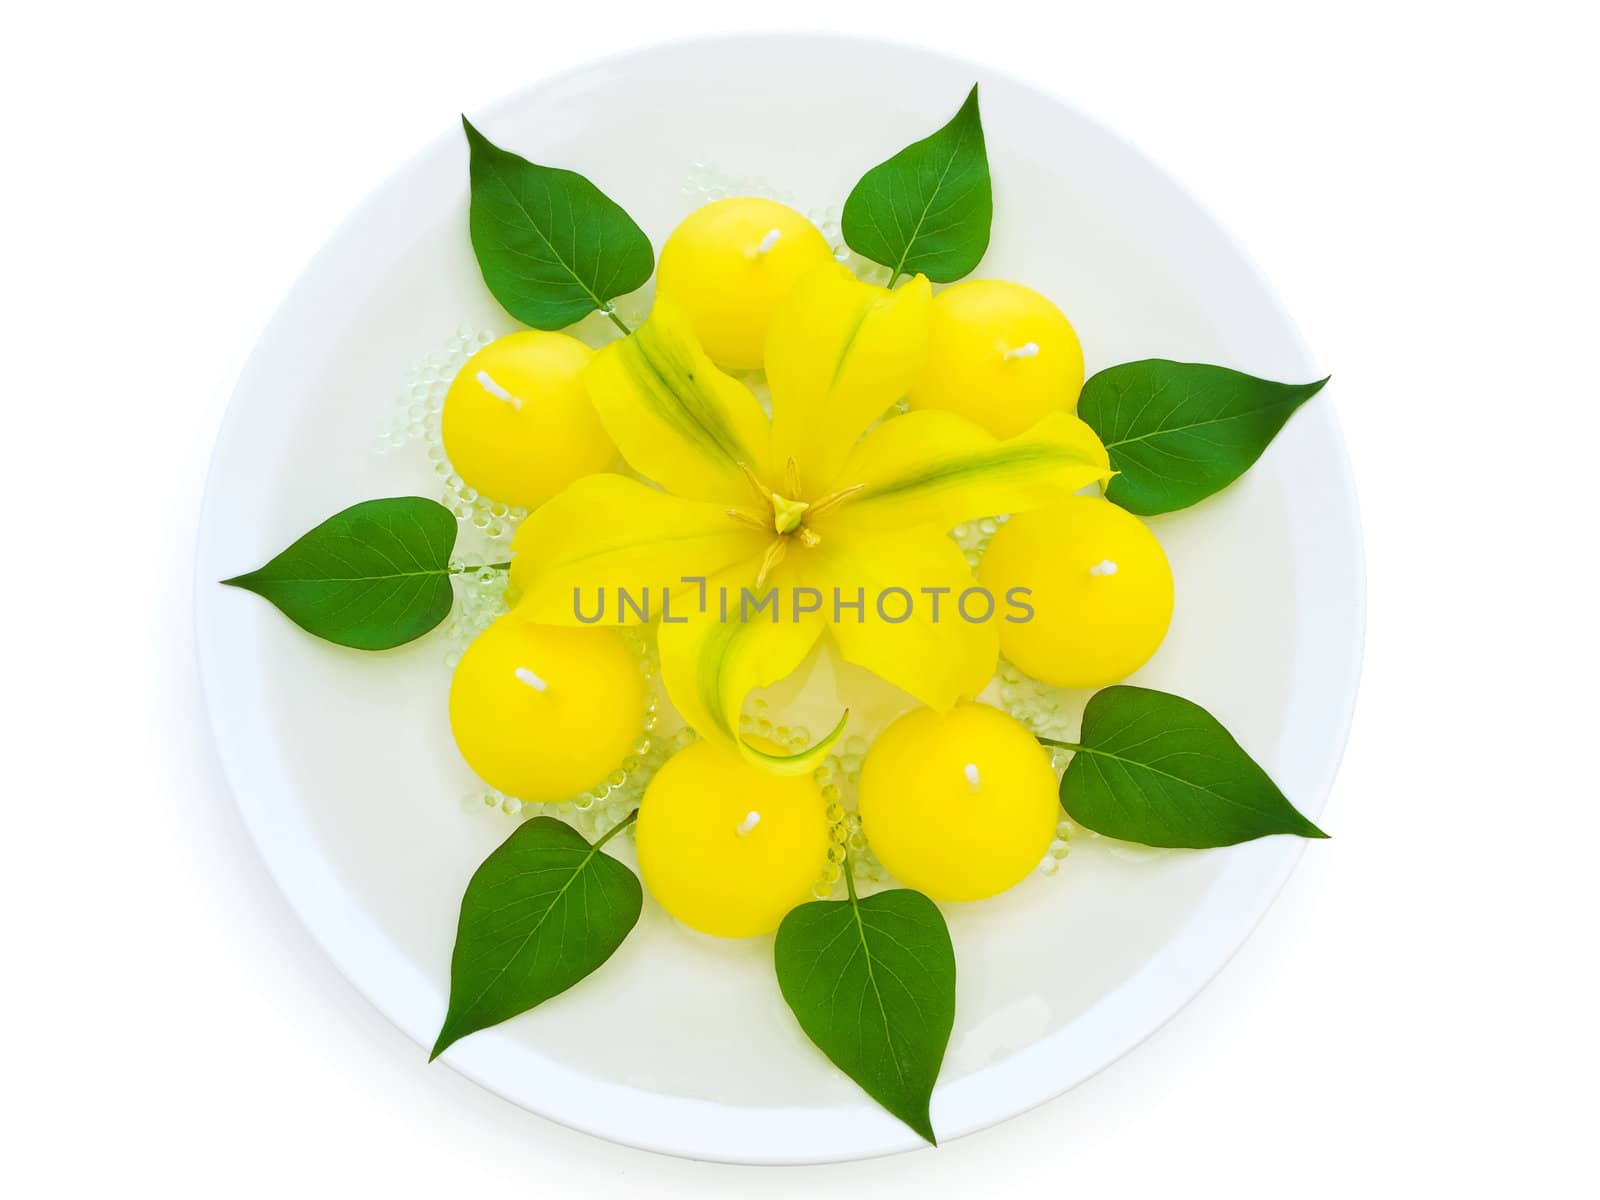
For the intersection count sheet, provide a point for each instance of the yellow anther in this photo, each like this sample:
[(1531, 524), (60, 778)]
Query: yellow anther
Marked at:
[(771, 559), (835, 498), (755, 483)]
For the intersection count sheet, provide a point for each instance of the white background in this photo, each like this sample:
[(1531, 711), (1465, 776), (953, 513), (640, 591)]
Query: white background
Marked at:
[(1418, 1010)]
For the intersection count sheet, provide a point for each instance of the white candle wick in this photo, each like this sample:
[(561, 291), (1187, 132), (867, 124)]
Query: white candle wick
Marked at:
[(498, 392), (751, 820), (971, 772), (768, 242), (1026, 350), (1104, 567), (528, 677)]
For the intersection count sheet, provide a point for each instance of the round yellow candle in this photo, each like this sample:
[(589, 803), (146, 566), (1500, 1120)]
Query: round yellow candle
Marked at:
[(729, 264), (999, 354), (517, 423), (958, 805), (544, 712), (726, 847), (1101, 591)]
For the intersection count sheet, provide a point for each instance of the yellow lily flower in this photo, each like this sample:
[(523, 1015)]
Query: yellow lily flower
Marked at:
[(799, 509)]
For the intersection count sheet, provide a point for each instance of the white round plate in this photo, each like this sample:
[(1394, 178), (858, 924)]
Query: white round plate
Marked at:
[(342, 762)]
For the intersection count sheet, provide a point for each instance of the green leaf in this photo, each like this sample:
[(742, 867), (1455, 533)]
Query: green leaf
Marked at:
[(552, 247), (929, 207), (873, 983), (1178, 432), (1158, 769), (543, 911), (374, 576)]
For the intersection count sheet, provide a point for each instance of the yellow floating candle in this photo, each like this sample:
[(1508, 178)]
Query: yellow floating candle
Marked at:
[(959, 805), (1101, 591), (544, 712), (1001, 355), (729, 264), (517, 423), (726, 847)]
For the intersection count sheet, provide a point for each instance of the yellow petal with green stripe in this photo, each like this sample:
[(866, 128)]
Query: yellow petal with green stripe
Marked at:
[(676, 418), (710, 664), (607, 532), (839, 353), (910, 630), (939, 469)]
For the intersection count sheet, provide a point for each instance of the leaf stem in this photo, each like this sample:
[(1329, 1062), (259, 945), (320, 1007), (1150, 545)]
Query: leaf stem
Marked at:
[(893, 275), (1073, 746), (617, 828), (468, 568), (616, 320), (849, 878)]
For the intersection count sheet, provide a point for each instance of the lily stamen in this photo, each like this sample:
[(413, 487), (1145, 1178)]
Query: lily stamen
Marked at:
[(771, 559), (756, 486), (834, 498)]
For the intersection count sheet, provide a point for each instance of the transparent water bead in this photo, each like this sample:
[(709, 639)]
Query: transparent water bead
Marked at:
[(973, 536), (414, 413), (845, 832), (1044, 709), (1060, 847)]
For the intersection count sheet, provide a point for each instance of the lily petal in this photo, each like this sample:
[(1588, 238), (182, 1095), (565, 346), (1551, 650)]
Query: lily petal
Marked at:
[(937, 468), (608, 532), (935, 654), (839, 353), (709, 665), (676, 417)]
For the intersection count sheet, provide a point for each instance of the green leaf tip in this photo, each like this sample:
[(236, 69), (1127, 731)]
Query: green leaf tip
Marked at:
[(1156, 769), (373, 576), (544, 910), (929, 208), (1179, 432), (552, 247), (872, 983)]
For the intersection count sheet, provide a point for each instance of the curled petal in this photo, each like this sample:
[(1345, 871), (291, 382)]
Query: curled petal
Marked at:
[(939, 469), (839, 353), (910, 630), (608, 532), (710, 664), (676, 418)]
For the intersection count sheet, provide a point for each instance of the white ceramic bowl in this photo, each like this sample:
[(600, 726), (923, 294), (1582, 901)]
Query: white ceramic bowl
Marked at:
[(342, 762)]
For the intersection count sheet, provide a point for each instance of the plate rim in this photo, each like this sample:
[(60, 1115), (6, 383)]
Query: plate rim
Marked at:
[(677, 1125)]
